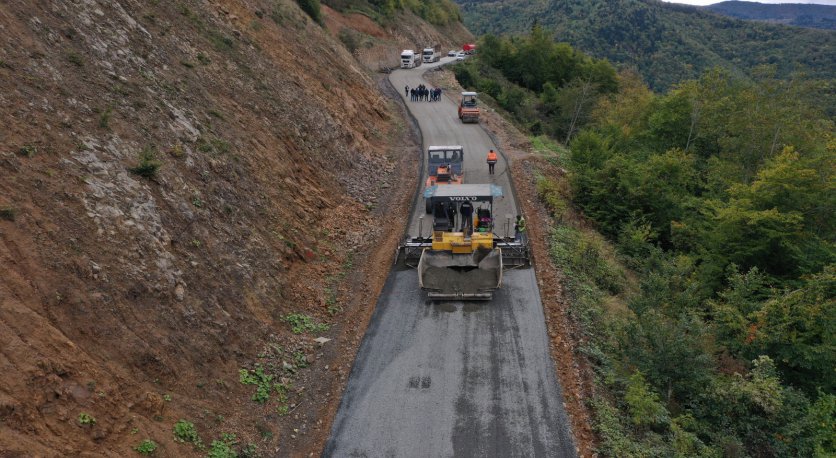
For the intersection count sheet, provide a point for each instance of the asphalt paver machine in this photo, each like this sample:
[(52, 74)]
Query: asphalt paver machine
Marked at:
[(462, 258)]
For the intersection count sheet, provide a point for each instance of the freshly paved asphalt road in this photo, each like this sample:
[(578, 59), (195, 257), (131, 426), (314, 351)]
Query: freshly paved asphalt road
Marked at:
[(451, 378)]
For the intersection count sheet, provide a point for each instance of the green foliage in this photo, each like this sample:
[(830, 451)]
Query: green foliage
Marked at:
[(667, 43), (249, 451), (185, 431), (75, 59), (213, 145), (615, 440), (549, 88), (148, 164), (727, 223), (312, 9), (8, 213), (146, 447), (581, 254), (27, 151), (821, 420), (104, 118), (300, 323), (643, 404), (223, 447), (86, 419), (262, 381), (797, 327), (553, 195)]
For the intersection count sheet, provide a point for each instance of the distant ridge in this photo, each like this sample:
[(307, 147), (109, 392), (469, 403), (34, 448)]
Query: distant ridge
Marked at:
[(796, 14), (666, 42)]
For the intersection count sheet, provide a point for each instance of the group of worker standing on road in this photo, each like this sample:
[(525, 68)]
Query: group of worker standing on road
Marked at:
[(422, 94)]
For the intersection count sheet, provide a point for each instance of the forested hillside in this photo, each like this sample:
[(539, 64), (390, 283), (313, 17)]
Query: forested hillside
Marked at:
[(667, 43), (797, 14), (695, 232)]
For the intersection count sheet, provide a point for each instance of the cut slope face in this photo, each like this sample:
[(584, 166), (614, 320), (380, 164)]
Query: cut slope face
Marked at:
[(136, 299)]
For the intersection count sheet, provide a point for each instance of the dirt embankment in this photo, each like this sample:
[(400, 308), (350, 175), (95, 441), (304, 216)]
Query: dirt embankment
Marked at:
[(128, 302)]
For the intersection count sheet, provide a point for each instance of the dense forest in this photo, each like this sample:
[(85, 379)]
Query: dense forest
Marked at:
[(797, 14), (665, 42), (707, 291)]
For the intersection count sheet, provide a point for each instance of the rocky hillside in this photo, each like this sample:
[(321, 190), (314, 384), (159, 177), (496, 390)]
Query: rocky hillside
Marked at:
[(181, 185)]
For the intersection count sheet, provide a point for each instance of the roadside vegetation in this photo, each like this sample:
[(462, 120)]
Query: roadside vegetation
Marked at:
[(695, 232)]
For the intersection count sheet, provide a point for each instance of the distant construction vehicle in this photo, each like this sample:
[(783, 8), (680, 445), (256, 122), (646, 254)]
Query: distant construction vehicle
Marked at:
[(463, 258), (445, 167), (468, 108)]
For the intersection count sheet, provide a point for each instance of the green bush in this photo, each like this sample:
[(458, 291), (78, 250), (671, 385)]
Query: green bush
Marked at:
[(312, 9), (146, 447), (185, 431), (148, 164), (8, 213), (553, 196)]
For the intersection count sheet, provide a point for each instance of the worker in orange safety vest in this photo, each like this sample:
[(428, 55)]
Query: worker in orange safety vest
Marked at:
[(491, 161)]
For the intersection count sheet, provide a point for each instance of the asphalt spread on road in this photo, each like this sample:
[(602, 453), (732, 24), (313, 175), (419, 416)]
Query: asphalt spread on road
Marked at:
[(453, 378)]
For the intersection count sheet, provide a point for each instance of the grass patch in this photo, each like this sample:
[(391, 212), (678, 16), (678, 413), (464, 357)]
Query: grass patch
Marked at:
[(148, 164), (75, 59), (220, 41), (300, 323), (104, 118), (556, 153), (27, 151), (213, 145)]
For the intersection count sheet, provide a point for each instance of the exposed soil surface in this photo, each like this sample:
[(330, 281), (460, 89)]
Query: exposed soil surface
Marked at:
[(136, 300)]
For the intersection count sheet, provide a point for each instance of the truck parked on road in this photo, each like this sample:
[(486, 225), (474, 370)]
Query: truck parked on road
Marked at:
[(410, 59), (431, 54), (469, 49)]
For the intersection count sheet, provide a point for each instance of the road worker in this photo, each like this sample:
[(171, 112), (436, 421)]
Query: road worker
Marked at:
[(491, 161), (519, 228)]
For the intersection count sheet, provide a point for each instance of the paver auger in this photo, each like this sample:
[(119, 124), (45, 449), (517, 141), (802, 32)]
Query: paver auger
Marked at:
[(463, 258)]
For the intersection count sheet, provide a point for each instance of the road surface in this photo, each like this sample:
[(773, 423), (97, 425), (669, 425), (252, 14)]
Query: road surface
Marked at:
[(451, 378)]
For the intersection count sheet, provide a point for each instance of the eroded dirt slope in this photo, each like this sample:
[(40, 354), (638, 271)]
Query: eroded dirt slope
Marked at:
[(136, 300)]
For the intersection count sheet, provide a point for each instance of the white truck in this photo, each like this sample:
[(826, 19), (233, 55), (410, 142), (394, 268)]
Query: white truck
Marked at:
[(410, 59), (430, 55)]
